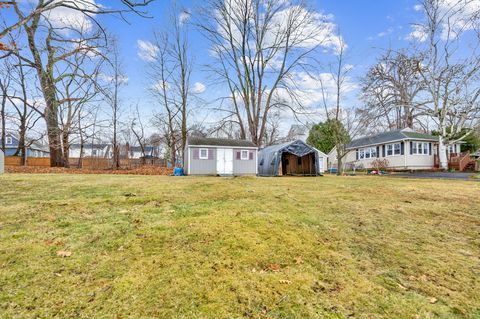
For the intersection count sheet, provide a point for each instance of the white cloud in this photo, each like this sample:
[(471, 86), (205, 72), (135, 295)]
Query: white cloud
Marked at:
[(147, 51), (456, 18), (183, 17), (310, 28), (417, 7), (385, 33), (86, 48), (62, 17), (122, 79), (308, 87), (198, 88), (319, 28), (158, 86), (419, 33)]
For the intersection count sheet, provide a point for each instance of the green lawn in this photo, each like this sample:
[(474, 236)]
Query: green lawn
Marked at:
[(165, 247)]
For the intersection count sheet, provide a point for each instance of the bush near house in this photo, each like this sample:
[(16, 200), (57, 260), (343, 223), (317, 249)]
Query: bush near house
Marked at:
[(117, 246)]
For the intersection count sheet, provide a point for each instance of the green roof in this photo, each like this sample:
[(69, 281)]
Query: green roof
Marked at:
[(420, 135)]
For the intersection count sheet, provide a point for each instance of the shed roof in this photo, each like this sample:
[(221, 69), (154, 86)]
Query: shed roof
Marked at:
[(385, 137), (203, 141)]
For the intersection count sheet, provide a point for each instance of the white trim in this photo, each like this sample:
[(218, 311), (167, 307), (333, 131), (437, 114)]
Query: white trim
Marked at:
[(200, 154), (223, 146), (256, 162), (393, 149), (423, 148), (246, 158)]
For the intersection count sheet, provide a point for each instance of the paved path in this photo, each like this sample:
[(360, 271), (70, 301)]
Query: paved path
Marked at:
[(438, 175)]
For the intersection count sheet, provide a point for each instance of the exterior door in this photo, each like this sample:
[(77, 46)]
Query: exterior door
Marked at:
[(224, 161)]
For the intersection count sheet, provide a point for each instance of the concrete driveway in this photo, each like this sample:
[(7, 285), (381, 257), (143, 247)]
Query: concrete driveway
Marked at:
[(438, 175)]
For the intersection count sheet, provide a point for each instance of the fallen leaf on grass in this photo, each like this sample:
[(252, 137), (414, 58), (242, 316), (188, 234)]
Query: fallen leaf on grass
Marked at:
[(273, 267), (402, 287), (298, 260), (433, 300), (285, 281), (64, 253)]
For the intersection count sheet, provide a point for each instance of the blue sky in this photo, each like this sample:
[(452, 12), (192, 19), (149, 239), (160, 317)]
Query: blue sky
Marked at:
[(368, 27)]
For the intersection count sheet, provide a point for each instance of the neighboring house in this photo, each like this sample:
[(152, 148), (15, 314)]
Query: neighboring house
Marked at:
[(99, 150), (34, 149), (2, 162), (403, 149), (135, 152), (297, 132), (218, 156), (105, 150), (332, 158), (290, 158)]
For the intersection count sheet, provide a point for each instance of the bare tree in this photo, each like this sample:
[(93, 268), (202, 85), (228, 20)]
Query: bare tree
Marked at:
[(162, 75), (170, 68), (88, 8), (25, 115), (272, 130), (77, 92), (51, 47), (138, 130), (391, 89), (257, 46), (5, 83), (342, 118), (450, 69), (116, 80)]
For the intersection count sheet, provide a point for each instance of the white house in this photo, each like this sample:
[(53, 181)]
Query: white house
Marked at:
[(98, 150), (402, 149)]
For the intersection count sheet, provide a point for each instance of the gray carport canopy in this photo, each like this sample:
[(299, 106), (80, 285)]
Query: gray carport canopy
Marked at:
[(270, 158)]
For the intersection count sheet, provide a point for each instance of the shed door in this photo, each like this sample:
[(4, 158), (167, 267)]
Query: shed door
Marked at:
[(225, 161)]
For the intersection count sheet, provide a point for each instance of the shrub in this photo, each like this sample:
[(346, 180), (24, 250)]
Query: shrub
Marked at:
[(380, 164)]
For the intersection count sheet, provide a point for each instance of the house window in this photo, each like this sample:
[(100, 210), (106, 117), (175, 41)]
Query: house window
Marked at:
[(451, 149), (244, 155), (394, 149), (8, 140), (203, 153), (361, 154), (369, 152), (420, 148)]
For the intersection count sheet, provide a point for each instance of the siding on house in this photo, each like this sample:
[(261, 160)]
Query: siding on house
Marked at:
[(406, 161), (34, 150)]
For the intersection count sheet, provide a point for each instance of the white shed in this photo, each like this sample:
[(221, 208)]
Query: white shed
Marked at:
[(322, 161)]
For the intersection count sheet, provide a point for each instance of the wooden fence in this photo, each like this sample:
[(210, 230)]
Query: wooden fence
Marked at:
[(31, 161), (88, 163)]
